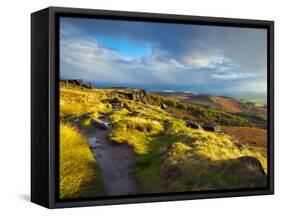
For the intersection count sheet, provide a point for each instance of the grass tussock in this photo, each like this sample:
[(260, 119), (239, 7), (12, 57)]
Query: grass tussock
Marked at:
[(136, 132), (185, 159), (79, 174), (76, 101)]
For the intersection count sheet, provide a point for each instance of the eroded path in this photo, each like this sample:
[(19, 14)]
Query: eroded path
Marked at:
[(114, 160)]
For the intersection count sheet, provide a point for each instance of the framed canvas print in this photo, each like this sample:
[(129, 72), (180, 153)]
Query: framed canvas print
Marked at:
[(138, 107)]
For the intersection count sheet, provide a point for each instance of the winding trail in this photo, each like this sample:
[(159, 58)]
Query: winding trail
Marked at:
[(114, 160)]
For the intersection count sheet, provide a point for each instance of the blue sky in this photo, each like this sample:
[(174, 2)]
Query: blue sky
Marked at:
[(159, 56)]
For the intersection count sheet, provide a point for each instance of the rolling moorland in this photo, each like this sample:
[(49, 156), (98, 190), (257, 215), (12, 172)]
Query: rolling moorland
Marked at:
[(119, 141)]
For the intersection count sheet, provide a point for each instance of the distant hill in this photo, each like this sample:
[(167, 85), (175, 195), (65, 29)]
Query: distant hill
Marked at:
[(227, 104)]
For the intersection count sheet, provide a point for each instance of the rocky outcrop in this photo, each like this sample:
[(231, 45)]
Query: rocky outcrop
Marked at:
[(99, 124), (78, 82), (193, 124), (211, 127), (115, 103), (130, 96), (88, 86)]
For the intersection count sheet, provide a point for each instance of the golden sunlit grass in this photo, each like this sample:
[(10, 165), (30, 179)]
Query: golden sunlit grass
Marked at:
[(169, 155), (77, 101), (79, 173), (136, 132), (193, 159)]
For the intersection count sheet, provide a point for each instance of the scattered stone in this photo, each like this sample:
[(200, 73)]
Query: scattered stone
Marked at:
[(163, 106), (211, 127), (115, 106), (130, 96), (114, 100), (253, 162), (126, 106), (239, 145), (134, 113), (193, 124), (99, 124), (102, 116)]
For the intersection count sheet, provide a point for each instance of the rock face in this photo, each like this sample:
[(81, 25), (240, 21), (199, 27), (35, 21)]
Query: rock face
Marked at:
[(211, 127), (193, 124), (99, 124), (253, 162)]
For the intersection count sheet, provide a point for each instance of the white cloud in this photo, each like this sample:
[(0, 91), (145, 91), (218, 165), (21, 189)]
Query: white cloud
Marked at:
[(231, 75), (84, 58), (88, 60)]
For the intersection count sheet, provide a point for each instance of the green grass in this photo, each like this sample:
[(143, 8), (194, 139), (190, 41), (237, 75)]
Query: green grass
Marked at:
[(184, 159), (80, 175), (254, 116), (260, 105), (172, 157), (217, 116), (168, 155)]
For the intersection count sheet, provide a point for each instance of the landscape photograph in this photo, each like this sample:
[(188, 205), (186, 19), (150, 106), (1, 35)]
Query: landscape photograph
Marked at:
[(151, 108)]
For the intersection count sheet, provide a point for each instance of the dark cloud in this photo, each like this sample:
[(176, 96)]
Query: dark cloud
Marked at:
[(217, 59)]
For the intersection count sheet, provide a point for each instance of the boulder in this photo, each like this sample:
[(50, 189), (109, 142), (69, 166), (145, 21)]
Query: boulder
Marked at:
[(251, 162), (99, 124), (211, 127), (115, 106), (102, 116), (163, 106), (130, 96), (126, 106), (114, 101), (134, 113), (193, 124), (239, 145)]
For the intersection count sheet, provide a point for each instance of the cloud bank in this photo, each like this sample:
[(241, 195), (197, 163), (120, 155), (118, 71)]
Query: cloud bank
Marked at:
[(158, 56)]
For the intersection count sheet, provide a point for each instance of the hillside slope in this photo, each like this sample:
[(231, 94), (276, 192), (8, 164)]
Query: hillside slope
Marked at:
[(227, 104), (169, 155)]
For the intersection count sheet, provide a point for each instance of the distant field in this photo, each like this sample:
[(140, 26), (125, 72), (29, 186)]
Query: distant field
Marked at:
[(218, 102), (254, 136)]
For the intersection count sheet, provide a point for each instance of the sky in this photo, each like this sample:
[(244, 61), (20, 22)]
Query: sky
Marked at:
[(216, 60)]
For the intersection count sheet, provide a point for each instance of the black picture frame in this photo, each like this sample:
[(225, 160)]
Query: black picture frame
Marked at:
[(45, 106)]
